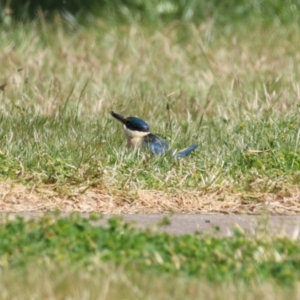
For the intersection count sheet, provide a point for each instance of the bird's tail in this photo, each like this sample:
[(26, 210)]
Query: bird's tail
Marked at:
[(185, 152)]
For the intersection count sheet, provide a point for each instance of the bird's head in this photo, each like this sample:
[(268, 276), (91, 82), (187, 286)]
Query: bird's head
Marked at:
[(133, 126)]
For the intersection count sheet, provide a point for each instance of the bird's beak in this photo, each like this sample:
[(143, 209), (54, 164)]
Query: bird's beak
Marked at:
[(118, 117)]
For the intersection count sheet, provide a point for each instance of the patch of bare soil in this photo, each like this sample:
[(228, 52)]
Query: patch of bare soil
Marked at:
[(19, 198)]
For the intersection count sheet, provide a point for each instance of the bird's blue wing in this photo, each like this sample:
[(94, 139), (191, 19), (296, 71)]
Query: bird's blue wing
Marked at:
[(185, 152), (160, 146), (156, 144)]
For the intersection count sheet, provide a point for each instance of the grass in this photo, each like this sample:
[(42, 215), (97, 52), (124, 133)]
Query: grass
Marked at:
[(233, 91), (107, 282), (59, 257), (156, 12), (76, 242)]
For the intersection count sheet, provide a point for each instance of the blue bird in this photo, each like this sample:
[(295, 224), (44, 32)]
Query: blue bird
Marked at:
[(138, 134)]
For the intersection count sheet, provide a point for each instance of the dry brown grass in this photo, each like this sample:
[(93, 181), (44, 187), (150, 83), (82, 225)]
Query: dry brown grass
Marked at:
[(238, 73), (105, 281), (18, 198)]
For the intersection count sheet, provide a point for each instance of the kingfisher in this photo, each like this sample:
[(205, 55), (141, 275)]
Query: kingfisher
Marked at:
[(138, 134)]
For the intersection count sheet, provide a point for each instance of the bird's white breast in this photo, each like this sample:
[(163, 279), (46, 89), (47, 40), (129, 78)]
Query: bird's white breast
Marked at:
[(134, 138)]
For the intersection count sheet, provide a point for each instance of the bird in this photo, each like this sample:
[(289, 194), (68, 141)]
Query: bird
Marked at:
[(138, 134)]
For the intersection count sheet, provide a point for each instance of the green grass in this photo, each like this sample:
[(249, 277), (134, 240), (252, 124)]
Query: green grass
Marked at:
[(74, 241), (72, 257), (61, 257), (69, 150), (155, 11), (234, 91)]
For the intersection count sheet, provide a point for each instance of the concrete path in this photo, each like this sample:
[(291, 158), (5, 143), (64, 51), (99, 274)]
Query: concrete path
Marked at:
[(220, 225)]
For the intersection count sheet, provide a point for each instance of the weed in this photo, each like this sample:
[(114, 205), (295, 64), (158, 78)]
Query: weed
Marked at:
[(52, 240)]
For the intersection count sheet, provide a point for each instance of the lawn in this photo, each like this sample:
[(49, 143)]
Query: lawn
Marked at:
[(227, 80), (232, 90), (58, 257)]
